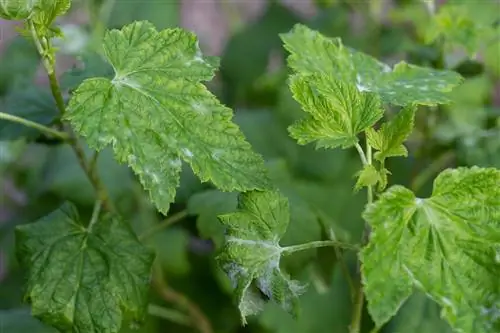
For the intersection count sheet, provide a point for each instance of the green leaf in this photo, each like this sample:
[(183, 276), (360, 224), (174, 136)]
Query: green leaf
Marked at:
[(389, 139), (419, 314), (447, 245), (84, 279), (368, 176), (15, 9), (337, 111), (155, 112), (46, 11), (252, 252), (313, 53)]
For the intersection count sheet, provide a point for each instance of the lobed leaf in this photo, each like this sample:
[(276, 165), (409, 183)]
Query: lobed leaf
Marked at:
[(447, 245), (156, 112), (389, 139), (313, 53), (337, 111), (252, 252), (82, 279)]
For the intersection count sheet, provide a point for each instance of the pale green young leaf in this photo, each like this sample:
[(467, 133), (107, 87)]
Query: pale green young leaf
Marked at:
[(15, 9), (368, 176), (313, 53), (447, 245), (46, 11), (81, 279), (252, 252), (338, 112), (156, 112), (389, 139)]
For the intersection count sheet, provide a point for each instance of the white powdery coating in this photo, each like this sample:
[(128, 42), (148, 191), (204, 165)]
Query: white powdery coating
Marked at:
[(200, 108), (360, 85), (188, 153)]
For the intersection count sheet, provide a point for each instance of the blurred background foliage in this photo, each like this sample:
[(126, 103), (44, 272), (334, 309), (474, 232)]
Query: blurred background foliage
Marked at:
[(38, 174)]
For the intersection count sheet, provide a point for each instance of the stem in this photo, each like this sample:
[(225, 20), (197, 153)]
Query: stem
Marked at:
[(47, 53), (95, 215), (197, 318), (169, 314), (313, 245), (164, 224), (362, 155), (359, 295), (28, 123)]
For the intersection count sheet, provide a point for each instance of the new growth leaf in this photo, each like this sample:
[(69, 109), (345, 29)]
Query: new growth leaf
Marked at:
[(84, 279), (338, 112), (155, 113)]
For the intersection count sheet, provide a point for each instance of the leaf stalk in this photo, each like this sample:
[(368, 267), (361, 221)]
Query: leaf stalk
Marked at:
[(28, 123), (316, 244)]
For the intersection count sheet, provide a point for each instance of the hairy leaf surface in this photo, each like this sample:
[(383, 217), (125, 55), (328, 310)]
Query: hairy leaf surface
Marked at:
[(156, 112), (447, 245), (252, 252), (313, 53), (81, 279), (337, 111), (389, 139)]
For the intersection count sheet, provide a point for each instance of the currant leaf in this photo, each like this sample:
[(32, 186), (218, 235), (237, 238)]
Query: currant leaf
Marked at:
[(156, 112), (81, 279), (389, 139), (447, 245), (338, 112), (252, 252), (313, 53)]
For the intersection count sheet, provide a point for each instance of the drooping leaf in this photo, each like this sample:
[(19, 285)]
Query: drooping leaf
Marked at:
[(338, 112), (447, 245), (84, 279), (313, 53), (252, 252), (389, 139), (156, 111)]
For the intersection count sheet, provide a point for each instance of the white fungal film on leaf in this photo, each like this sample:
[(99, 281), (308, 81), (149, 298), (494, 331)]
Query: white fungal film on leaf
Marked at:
[(157, 110)]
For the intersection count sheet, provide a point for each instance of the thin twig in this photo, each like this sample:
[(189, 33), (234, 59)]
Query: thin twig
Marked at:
[(179, 216), (28, 123), (169, 314), (44, 47), (197, 318)]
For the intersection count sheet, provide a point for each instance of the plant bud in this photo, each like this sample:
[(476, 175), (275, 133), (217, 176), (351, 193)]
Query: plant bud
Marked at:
[(16, 9)]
